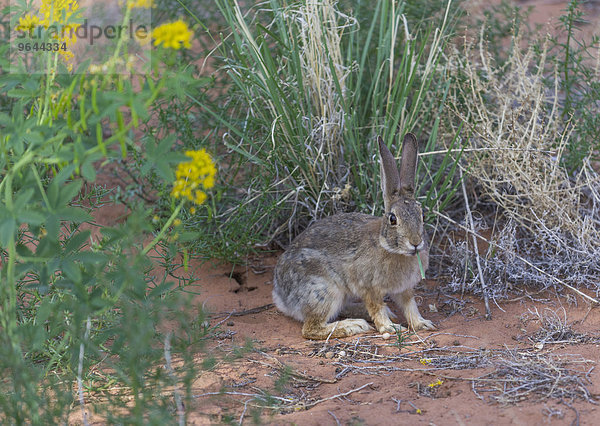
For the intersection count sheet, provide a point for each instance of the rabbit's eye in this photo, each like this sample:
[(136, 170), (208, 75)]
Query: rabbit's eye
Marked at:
[(393, 220)]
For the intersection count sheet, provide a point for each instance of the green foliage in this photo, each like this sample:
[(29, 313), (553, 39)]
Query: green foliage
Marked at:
[(575, 59), (403, 338), (307, 92), (78, 305)]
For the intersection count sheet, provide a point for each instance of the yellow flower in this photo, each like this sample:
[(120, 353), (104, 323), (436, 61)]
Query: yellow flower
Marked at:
[(425, 361), (142, 4), (53, 11), (436, 383), (57, 18), (191, 177), (177, 222), (193, 210), (173, 35), (28, 22), (418, 411)]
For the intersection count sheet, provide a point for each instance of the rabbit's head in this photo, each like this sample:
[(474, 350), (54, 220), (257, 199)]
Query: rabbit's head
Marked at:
[(402, 223)]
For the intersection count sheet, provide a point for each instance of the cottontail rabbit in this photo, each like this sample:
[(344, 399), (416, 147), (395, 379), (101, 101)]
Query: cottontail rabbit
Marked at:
[(358, 255)]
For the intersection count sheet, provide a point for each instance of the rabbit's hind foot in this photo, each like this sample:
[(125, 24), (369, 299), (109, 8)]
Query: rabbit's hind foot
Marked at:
[(318, 330)]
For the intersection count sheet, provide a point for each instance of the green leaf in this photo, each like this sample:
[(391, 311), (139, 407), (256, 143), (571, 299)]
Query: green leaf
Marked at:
[(8, 227), (71, 270), (22, 199), (77, 242), (164, 170), (91, 258), (23, 250), (22, 93), (34, 138), (69, 191), (64, 174), (52, 227), (88, 171), (31, 217), (73, 214), (161, 289), (5, 119), (45, 309), (188, 236), (52, 194), (160, 158)]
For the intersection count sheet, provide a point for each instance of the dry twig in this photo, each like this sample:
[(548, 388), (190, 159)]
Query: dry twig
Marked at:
[(488, 312)]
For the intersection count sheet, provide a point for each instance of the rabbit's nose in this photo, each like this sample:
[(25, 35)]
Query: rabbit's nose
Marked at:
[(417, 247), (417, 244)]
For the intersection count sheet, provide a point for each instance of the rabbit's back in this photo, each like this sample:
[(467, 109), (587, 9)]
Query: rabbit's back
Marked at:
[(338, 235), (326, 262)]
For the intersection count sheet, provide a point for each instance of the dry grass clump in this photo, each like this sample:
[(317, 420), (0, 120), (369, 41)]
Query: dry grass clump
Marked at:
[(298, 99), (517, 138), (516, 143), (554, 328), (518, 376), (319, 29)]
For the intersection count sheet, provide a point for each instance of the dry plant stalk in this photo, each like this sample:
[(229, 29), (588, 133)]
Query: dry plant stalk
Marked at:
[(517, 139), (320, 27)]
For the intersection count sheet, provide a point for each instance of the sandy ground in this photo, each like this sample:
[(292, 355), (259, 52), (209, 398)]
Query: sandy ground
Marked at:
[(379, 373)]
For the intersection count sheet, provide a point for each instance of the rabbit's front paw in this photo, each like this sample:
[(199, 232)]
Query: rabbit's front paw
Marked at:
[(355, 326), (391, 328), (422, 324)]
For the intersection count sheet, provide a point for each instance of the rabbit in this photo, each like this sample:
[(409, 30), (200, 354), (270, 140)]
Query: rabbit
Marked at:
[(355, 255)]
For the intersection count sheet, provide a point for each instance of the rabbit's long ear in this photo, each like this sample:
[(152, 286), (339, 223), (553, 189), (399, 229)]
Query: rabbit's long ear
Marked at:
[(408, 165), (390, 178)]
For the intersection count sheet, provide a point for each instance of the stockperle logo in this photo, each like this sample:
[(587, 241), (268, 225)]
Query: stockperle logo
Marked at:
[(83, 35)]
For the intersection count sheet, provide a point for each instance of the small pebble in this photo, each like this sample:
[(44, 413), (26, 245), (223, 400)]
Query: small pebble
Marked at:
[(329, 355), (230, 323), (341, 354), (386, 336)]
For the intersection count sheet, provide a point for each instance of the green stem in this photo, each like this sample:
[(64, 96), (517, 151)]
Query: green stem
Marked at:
[(156, 92), (164, 228), (117, 52), (567, 84), (8, 316), (40, 186), (420, 266), (50, 74), (25, 158)]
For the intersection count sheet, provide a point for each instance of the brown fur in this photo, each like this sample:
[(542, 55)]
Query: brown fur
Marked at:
[(355, 255)]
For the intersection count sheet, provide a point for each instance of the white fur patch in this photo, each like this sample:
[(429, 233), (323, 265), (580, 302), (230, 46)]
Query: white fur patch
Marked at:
[(396, 250), (294, 313)]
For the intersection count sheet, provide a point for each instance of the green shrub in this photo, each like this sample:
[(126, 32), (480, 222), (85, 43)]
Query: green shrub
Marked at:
[(83, 312), (576, 71), (308, 88)]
